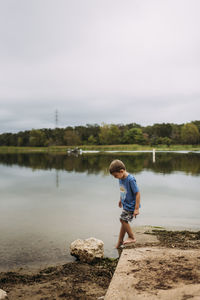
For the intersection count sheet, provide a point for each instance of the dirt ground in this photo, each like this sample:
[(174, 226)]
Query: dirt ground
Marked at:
[(90, 281), (70, 281)]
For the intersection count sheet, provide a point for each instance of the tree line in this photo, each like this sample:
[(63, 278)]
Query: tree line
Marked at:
[(106, 134)]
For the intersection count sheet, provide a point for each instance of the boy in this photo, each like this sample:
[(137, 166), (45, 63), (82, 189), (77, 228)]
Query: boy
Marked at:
[(129, 200)]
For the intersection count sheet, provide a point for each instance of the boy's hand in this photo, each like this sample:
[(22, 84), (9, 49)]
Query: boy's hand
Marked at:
[(120, 203), (135, 213)]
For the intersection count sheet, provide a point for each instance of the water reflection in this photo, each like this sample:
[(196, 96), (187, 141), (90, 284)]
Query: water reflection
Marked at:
[(47, 201), (166, 163)]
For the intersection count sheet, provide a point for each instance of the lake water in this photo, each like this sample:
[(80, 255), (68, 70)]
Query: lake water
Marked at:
[(47, 201)]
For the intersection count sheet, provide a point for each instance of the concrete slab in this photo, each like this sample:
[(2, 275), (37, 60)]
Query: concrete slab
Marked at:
[(156, 273), (143, 236)]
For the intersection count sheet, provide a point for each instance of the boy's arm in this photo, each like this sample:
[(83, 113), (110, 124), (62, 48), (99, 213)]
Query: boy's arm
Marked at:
[(137, 205)]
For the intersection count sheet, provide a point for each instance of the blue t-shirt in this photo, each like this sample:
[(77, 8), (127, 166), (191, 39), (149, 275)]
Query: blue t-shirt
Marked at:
[(128, 190)]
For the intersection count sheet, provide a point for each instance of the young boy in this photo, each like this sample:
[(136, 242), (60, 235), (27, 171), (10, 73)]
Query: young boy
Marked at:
[(129, 200)]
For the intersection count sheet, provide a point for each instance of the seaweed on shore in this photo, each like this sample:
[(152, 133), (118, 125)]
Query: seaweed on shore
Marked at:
[(178, 239), (100, 268), (75, 280)]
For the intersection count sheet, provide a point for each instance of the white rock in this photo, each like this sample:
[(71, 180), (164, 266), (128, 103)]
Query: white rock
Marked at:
[(87, 250), (3, 294)]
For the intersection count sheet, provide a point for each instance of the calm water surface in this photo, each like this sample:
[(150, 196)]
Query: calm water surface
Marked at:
[(47, 201)]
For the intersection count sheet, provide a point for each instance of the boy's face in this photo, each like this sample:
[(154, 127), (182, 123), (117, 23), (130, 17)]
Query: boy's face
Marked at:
[(119, 175)]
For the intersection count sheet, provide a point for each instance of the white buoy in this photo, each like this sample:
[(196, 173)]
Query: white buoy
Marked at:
[(154, 155)]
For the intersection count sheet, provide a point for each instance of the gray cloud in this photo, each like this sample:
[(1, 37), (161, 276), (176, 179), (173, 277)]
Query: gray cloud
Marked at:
[(98, 61)]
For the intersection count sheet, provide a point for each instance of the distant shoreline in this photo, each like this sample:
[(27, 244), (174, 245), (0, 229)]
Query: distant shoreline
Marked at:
[(64, 149)]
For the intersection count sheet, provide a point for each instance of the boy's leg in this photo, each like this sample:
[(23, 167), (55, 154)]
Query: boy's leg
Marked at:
[(121, 235), (127, 228)]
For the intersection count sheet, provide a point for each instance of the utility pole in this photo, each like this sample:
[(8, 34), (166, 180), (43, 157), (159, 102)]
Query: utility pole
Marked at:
[(56, 127), (56, 118)]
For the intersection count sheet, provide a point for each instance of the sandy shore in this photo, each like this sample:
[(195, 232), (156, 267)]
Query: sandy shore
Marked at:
[(69, 281), (90, 281)]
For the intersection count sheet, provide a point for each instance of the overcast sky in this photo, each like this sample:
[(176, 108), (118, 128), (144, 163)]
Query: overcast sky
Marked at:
[(112, 61)]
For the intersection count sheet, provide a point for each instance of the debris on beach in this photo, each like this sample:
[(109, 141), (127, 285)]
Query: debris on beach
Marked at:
[(178, 239), (73, 280)]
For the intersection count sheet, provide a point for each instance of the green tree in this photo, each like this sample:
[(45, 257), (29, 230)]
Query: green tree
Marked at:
[(134, 136), (92, 140), (36, 138), (197, 123), (58, 136), (114, 134), (104, 134), (176, 133), (71, 138), (19, 141), (190, 134), (85, 132), (109, 134), (162, 130), (164, 141)]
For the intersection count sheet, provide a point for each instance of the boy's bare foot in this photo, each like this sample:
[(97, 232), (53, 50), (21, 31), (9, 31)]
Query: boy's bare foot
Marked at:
[(129, 241), (119, 244)]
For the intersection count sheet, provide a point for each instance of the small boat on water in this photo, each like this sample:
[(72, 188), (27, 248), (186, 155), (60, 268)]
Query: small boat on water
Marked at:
[(75, 151)]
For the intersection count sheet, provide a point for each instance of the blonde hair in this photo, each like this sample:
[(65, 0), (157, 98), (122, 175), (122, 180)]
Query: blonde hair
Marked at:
[(116, 165)]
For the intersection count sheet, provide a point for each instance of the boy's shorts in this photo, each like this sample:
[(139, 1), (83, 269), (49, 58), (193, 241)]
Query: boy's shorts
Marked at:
[(126, 215)]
